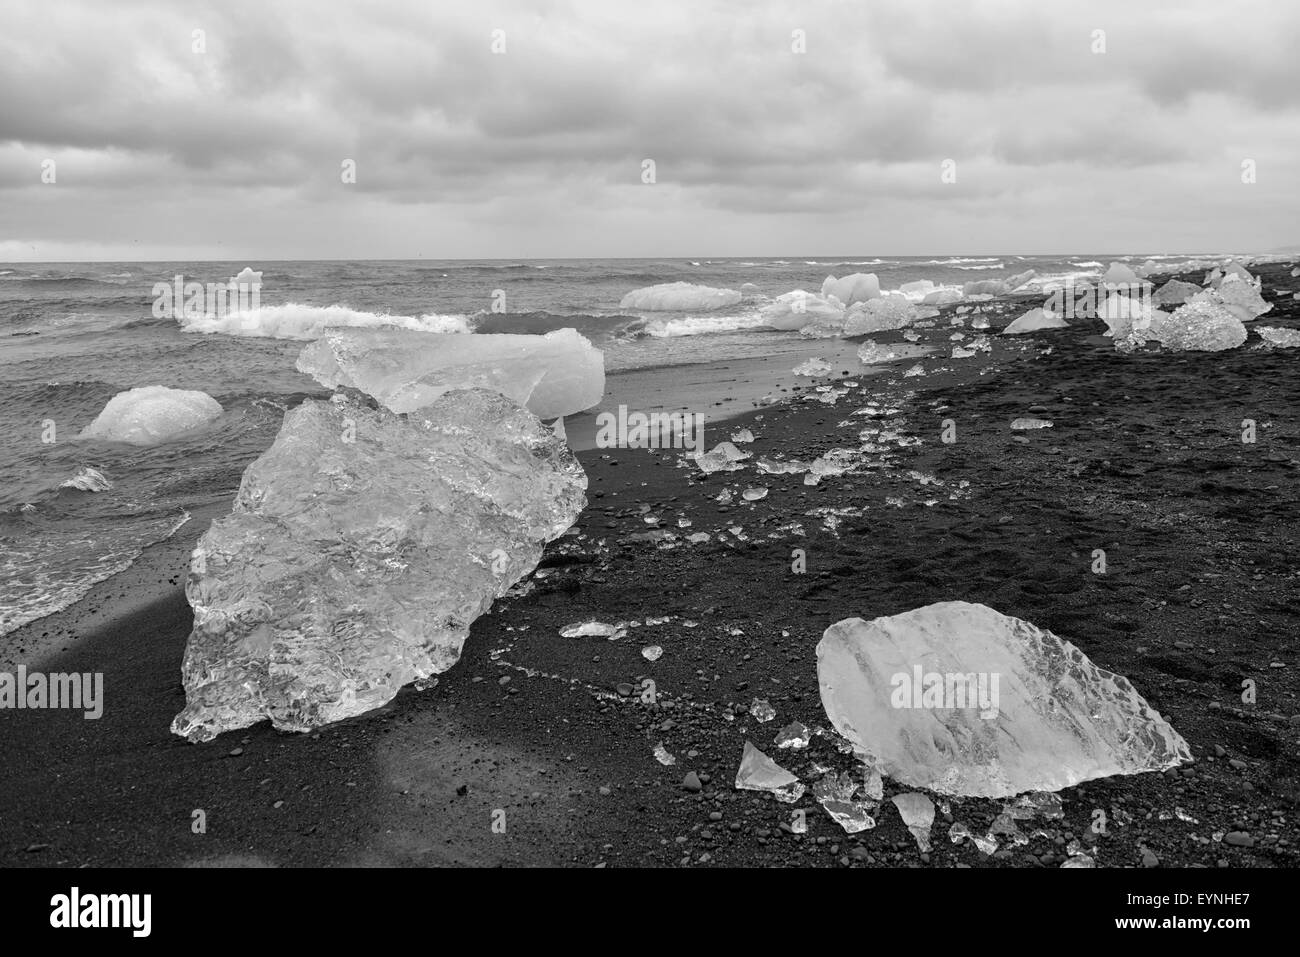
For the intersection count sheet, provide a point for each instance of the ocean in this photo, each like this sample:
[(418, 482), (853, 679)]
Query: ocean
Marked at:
[(72, 335)]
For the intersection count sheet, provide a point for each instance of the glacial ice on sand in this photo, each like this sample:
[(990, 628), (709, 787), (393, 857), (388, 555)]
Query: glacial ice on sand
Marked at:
[(723, 457), (758, 772), (679, 296), (1034, 320), (814, 368), (1004, 707), (556, 374), (151, 415), (361, 547), (1198, 326), (1241, 299)]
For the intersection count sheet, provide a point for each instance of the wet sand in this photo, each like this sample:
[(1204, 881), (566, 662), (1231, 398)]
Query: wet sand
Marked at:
[(1144, 460)]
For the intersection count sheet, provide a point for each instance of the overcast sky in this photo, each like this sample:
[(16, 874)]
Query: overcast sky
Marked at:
[(237, 151)]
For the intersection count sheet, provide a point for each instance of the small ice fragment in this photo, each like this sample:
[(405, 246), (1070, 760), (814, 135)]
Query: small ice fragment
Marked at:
[(915, 370), (742, 436), (724, 457), (1285, 338), (662, 755), (698, 538), (835, 794), (754, 494), (917, 812), (758, 772), (592, 629), (813, 368), (794, 736), (958, 832), (88, 480), (874, 787), (651, 652), (1026, 423), (762, 711), (1080, 860), (724, 497)]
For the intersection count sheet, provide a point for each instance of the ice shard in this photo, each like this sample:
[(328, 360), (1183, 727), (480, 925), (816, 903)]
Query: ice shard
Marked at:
[(960, 699), (758, 772), (1034, 320), (835, 793), (361, 547), (553, 375), (917, 812)]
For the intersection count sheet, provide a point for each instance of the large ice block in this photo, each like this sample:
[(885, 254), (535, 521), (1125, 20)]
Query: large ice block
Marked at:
[(1200, 325), (557, 374), (879, 315), (361, 547), (960, 699)]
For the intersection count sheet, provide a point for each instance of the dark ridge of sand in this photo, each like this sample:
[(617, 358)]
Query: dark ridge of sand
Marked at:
[(1144, 460)]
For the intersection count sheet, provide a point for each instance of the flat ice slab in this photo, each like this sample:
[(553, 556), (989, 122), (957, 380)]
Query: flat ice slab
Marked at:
[(557, 374), (960, 699)]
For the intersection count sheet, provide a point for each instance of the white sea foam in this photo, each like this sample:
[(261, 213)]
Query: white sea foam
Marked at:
[(296, 321), (702, 325)]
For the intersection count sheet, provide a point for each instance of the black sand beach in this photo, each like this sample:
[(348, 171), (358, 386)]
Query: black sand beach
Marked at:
[(1144, 460)]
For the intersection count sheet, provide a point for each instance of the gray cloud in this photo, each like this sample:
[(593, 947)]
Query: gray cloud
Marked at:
[(462, 152)]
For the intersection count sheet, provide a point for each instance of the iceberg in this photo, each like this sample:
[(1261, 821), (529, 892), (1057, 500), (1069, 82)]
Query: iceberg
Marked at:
[(959, 699), (798, 308), (1198, 326), (879, 315), (361, 547), (151, 415), (679, 297), (858, 287), (554, 375), (1034, 320)]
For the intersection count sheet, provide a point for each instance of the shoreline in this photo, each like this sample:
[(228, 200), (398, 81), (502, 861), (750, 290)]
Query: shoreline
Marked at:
[(1143, 460)]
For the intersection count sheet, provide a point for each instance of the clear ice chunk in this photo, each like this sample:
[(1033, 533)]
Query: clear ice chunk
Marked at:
[(151, 415), (662, 755), (361, 547), (1034, 320), (593, 629), (554, 375), (908, 691), (724, 457), (835, 794), (758, 772), (794, 736), (1283, 338), (1199, 326), (879, 315), (762, 711), (813, 368), (917, 812), (1026, 424)]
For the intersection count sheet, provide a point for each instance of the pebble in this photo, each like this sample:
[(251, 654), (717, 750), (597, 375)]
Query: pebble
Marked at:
[(1149, 858), (1239, 839), (692, 781)]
